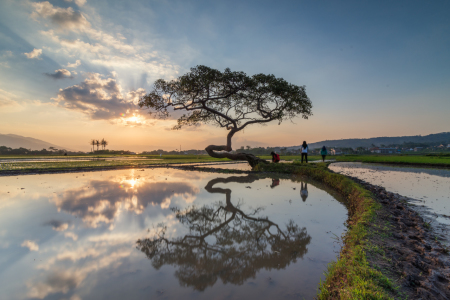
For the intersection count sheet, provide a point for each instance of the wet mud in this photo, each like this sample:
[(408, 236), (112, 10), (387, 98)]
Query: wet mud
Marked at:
[(407, 249)]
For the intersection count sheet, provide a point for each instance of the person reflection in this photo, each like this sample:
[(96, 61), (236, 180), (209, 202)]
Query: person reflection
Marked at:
[(224, 242), (304, 191), (275, 182)]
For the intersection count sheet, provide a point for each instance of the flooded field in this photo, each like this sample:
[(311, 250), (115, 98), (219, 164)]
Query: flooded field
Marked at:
[(165, 233), (71, 159), (429, 187)]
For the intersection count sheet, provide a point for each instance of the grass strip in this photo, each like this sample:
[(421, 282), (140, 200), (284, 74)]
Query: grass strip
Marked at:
[(351, 276)]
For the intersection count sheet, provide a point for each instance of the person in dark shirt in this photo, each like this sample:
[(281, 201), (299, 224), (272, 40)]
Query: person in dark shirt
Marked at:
[(324, 153)]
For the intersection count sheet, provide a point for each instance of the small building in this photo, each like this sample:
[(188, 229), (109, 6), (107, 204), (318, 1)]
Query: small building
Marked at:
[(375, 150), (448, 146), (335, 151), (387, 150), (418, 149)]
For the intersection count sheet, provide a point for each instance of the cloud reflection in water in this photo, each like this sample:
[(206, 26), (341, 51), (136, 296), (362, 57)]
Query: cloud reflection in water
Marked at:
[(104, 199)]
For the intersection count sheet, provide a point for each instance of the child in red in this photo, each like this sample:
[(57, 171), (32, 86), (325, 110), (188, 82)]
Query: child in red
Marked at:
[(275, 157)]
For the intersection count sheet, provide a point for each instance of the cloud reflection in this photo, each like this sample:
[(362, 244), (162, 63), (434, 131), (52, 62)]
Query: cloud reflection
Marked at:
[(104, 199)]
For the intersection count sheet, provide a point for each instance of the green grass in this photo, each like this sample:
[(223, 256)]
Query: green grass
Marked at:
[(435, 160), (351, 276), (292, 157)]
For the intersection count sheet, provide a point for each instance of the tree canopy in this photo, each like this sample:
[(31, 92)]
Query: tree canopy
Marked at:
[(231, 100)]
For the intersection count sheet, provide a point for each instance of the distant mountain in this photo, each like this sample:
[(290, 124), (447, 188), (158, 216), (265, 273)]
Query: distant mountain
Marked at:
[(17, 141), (377, 141)]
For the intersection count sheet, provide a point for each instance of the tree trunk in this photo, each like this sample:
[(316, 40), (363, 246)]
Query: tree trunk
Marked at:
[(250, 158)]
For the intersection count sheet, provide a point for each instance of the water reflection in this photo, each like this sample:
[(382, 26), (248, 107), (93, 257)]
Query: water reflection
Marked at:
[(225, 242), (304, 191), (102, 200), (73, 236), (275, 182)]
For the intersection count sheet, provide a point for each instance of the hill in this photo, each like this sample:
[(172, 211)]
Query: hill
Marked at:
[(443, 137), (17, 141)]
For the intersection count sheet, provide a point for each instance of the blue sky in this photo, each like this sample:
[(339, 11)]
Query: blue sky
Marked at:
[(371, 68)]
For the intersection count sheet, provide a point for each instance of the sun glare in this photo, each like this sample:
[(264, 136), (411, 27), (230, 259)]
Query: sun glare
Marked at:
[(133, 119)]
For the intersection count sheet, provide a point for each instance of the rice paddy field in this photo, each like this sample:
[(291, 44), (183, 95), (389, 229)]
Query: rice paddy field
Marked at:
[(431, 160), (54, 163)]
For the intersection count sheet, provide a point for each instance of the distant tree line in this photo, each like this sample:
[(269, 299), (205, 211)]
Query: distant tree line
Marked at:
[(174, 152), (23, 151)]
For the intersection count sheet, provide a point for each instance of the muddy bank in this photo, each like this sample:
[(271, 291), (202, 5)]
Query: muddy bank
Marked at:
[(407, 249)]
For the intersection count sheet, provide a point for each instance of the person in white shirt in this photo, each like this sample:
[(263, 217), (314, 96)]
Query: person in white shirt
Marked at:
[(305, 151)]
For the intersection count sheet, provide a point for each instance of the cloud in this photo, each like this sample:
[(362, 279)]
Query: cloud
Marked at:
[(30, 245), (101, 99), (60, 74), (57, 225), (35, 54), (71, 235), (99, 47), (4, 57), (65, 18), (8, 99), (68, 19), (80, 2), (74, 65)]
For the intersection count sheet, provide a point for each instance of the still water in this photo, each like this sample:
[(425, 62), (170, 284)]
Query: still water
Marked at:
[(430, 187), (165, 234)]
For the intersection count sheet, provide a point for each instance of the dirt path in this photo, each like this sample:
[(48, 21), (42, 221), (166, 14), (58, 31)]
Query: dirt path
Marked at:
[(407, 249)]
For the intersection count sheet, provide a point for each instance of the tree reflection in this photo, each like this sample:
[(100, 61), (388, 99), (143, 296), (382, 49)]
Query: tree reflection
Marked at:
[(225, 242)]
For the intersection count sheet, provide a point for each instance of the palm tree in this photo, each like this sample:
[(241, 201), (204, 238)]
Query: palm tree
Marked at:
[(97, 142), (92, 142), (104, 143)]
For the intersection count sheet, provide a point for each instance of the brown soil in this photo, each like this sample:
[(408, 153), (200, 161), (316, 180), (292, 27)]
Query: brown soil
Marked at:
[(407, 249)]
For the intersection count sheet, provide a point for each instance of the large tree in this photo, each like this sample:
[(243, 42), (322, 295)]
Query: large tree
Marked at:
[(230, 100)]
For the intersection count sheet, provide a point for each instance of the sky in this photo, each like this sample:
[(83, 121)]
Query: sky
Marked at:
[(74, 70)]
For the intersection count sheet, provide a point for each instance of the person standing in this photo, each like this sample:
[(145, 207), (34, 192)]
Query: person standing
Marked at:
[(324, 153), (305, 151)]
